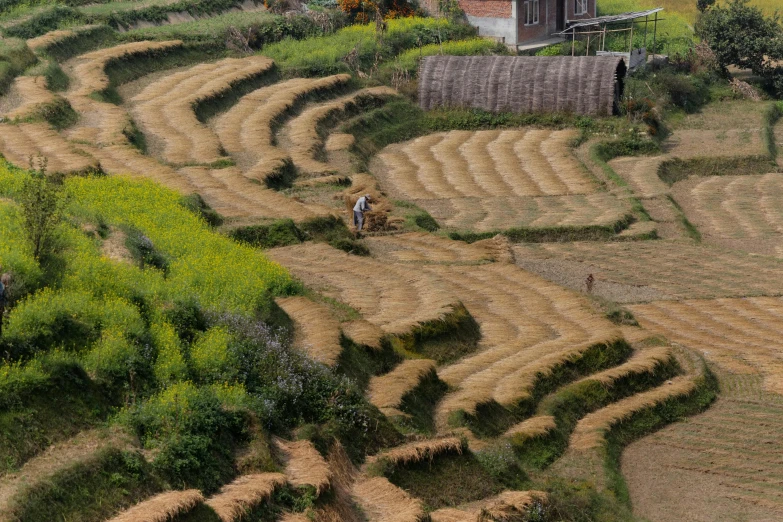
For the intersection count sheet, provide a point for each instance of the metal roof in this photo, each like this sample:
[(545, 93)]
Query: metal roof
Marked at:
[(610, 19)]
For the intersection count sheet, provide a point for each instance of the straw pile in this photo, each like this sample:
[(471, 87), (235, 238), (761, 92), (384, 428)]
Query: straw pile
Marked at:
[(317, 331), (33, 91), (386, 391), (50, 38), (418, 451), (591, 430), (740, 335), (20, 142), (247, 129), (523, 84), (244, 494), (508, 505), (303, 131), (529, 326), (165, 108), (304, 466), (163, 507), (382, 501)]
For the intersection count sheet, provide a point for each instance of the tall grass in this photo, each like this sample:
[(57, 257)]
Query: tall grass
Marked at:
[(409, 60)]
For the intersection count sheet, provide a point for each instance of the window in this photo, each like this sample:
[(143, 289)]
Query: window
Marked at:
[(532, 8), (580, 7)]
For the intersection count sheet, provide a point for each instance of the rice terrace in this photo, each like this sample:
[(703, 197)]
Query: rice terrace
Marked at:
[(391, 260)]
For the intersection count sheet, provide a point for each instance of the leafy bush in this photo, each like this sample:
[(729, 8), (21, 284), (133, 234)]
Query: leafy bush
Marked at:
[(193, 434), (278, 233), (685, 91), (211, 356)]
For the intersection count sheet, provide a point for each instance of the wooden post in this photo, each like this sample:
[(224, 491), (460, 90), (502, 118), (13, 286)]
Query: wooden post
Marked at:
[(573, 42), (587, 50), (603, 43), (655, 35)]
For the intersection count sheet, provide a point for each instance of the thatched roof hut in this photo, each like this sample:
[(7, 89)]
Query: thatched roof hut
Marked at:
[(587, 85)]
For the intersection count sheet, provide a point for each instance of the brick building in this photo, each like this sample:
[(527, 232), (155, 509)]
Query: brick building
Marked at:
[(519, 22)]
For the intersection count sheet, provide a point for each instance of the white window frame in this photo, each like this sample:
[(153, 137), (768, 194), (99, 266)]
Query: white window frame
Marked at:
[(532, 12), (580, 7)]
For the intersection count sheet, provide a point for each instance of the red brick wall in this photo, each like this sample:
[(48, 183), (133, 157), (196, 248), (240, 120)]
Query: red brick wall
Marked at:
[(487, 8)]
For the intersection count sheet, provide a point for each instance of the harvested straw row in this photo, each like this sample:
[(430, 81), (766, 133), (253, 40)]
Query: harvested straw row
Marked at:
[(422, 247), (674, 268), (642, 174), (19, 143), (229, 189), (303, 131), (339, 141), (529, 326), (89, 69), (78, 451), (295, 517), (33, 92), (99, 123), (506, 506), (386, 391), (740, 335), (532, 427), (418, 451), (304, 466), (485, 164), (382, 501), (393, 297), (317, 331), (246, 131), (641, 362), (163, 507), (244, 494), (50, 38), (591, 430), (165, 108), (364, 333), (499, 213), (336, 179)]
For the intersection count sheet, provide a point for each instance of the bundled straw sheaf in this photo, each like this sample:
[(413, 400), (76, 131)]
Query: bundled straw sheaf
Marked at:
[(522, 84), (386, 391), (162, 508), (303, 131), (420, 450), (382, 501), (248, 128), (244, 494), (317, 331), (166, 108), (304, 466)]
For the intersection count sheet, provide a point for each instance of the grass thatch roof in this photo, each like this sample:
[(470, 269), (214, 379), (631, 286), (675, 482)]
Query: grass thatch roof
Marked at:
[(524, 84)]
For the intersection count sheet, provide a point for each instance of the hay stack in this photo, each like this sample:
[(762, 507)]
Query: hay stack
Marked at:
[(304, 466), (522, 84), (162, 508), (382, 501), (317, 331), (244, 494), (386, 391)]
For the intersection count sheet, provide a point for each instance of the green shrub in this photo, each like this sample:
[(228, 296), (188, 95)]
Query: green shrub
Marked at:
[(118, 363), (278, 233), (196, 204), (193, 433), (170, 365), (685, 91), (211, 356), (44, 21), (426, 222)]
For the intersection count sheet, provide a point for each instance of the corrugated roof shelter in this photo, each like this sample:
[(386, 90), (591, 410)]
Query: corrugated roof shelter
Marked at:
[(587, 85)]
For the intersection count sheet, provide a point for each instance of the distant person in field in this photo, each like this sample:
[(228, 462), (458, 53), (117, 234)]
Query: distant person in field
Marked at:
[(362, 206), (5, 282)]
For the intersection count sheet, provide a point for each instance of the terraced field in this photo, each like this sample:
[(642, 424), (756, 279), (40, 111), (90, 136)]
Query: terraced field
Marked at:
[(484, 368), (495, 180)]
